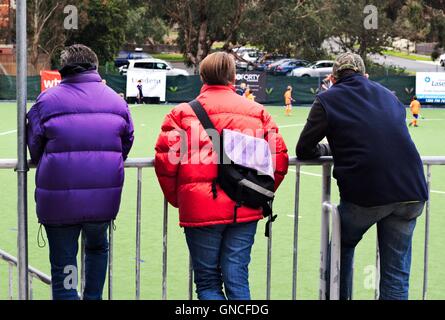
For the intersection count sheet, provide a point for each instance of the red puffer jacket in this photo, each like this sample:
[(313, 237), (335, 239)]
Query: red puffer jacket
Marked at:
[(187, 184)]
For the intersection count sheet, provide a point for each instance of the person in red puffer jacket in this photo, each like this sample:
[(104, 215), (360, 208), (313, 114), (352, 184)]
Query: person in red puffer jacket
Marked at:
[(186, 166)]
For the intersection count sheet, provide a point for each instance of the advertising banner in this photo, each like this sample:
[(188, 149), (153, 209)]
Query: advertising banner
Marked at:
[(154, 83), (430, 87), (256, 82), (49, 79)]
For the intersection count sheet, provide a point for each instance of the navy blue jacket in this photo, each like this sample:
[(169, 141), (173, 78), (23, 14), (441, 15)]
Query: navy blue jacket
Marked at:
[(375, 160)]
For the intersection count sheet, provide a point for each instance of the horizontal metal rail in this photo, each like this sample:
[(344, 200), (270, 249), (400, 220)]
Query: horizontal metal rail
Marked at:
[(325, 162), (31, 270), (32, 273), (293, 161)]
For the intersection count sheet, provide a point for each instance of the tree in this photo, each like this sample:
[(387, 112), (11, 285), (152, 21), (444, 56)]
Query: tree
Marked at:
[(411, 23), (144, 23), (291, 27), (201, 23), (348, 26), (45, 32), (102, 27)]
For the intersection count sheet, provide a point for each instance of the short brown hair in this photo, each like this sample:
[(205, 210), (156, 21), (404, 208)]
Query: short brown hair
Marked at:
[(218, 69)]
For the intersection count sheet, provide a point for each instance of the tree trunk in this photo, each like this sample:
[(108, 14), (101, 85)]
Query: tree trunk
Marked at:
[(203, 50)]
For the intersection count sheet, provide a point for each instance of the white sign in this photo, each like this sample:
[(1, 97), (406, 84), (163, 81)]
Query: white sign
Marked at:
[(430, 87), (154, 83)]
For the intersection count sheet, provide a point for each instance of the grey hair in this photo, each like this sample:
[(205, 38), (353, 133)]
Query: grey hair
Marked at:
[(78, 53)]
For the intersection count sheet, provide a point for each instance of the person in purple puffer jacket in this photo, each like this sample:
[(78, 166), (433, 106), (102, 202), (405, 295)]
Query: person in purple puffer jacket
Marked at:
[(79, 134)]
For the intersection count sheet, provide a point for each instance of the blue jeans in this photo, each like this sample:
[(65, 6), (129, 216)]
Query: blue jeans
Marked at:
[(63, 247), (221, 256), (395, 227)]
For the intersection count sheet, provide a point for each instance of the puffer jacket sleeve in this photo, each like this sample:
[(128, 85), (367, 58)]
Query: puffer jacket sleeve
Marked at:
[(128, 135), (35, 134), (278, 148), (168, 156)]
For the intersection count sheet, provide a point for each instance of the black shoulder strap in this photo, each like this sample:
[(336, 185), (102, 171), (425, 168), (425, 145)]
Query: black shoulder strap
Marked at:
[(202, 115)]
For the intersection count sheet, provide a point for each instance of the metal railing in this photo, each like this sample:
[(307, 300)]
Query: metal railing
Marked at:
[(32, 273), (328, 211)]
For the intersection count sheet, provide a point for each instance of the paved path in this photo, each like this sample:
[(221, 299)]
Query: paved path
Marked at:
[(409, 65)]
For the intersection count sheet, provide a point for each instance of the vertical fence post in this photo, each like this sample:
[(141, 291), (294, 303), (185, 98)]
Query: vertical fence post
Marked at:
[(31, 294), (190, 278), (10, 288), (82, 264), (427, 236), (269, 260), (164, 251), (296, 219), (138, 234), (377, 270), (352, 278), (22, 166), (110, 260), (324, 238), (334, 285)]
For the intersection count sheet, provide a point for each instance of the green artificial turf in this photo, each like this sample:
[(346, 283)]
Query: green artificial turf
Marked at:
[(429, 138)]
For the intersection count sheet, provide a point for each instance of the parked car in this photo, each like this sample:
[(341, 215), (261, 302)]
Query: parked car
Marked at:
[(124, 57), (442, 60), (286, 66), (318, 69), (248, 58), (153, 64), (263, 62)]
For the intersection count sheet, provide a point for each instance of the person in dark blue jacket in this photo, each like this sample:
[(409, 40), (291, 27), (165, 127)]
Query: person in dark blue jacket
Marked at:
[(378, 170)]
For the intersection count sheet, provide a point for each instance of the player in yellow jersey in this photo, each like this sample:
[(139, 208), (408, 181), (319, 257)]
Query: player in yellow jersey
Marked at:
[(288, 100), (415, 110)]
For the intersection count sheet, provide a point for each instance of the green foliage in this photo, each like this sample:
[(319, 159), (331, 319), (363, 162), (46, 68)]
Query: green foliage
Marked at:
[(377, 70), (346, 22), (287, 27), (101, 27), (177, 57), (435, 55), (144, 25)]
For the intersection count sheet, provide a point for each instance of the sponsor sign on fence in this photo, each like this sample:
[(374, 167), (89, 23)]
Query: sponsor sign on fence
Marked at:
[(256, 82), (49, 79), (430, 87), (154, 83)]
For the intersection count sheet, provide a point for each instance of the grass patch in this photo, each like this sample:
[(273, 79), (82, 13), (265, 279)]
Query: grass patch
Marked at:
[(174, 57), (403, 55)]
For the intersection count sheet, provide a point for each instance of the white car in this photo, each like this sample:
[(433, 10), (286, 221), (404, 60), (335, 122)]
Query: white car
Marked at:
[(442, 60), (320, 68), (248, 56), (153, 64)]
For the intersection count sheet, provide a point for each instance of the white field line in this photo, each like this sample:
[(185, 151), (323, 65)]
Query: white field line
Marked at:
[(7, 132), (421, 119), (319, 175)]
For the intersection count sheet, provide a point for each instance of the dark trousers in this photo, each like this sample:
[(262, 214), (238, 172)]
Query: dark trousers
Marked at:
[(63, 248)]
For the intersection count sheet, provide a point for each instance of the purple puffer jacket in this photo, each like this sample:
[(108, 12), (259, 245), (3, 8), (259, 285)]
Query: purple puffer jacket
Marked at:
[(79, 134)]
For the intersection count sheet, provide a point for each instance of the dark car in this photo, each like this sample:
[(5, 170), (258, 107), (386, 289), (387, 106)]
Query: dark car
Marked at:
[(284, 67), (268, 59), (124, 56)]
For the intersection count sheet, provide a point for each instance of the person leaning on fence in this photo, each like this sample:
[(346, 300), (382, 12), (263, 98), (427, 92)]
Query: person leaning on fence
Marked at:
[(79, 134), (219, 238), (378, 170)]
